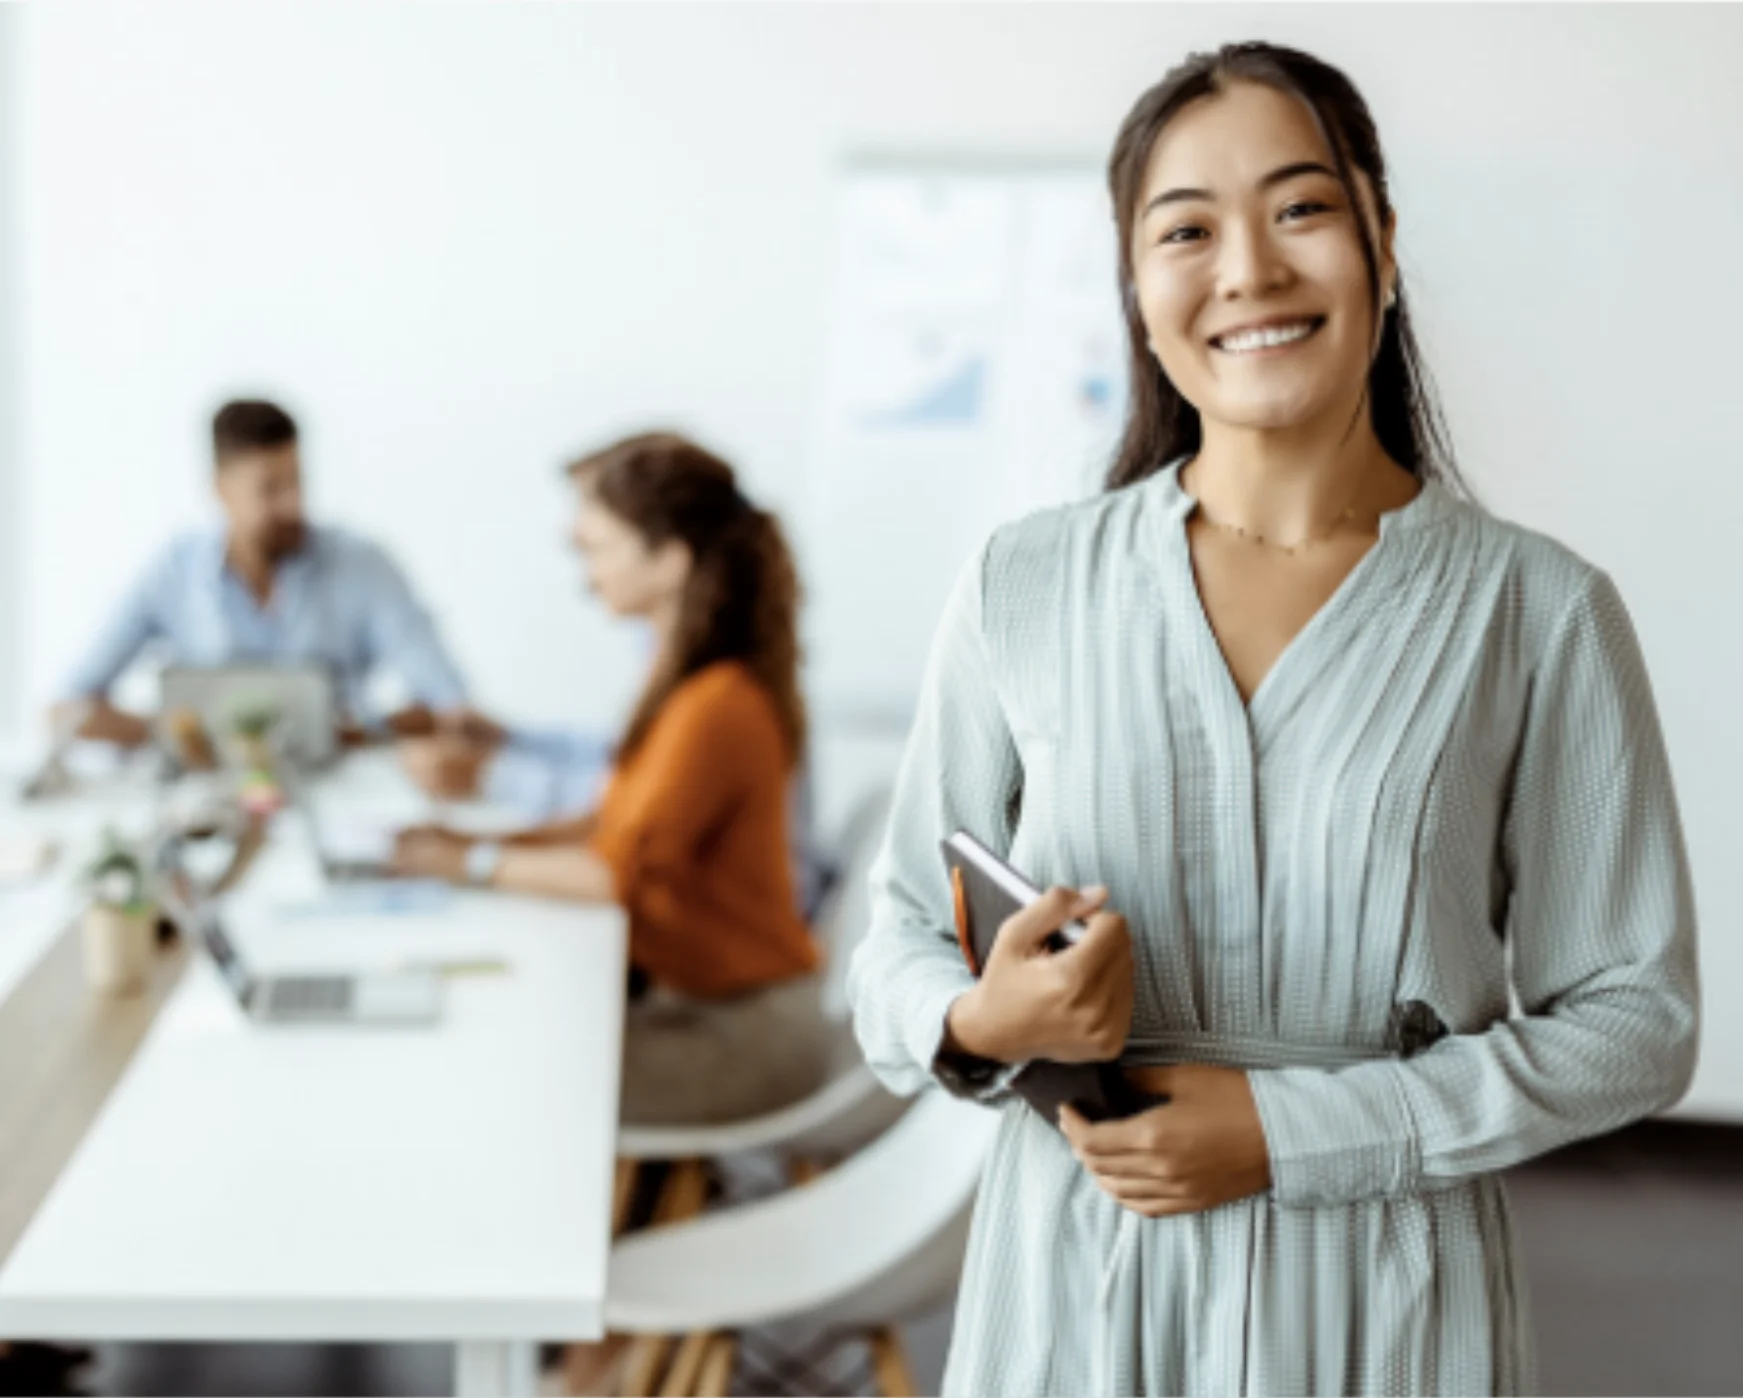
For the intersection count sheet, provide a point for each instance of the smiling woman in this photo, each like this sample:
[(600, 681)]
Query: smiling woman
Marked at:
[(1303, 199), (1351, 764)]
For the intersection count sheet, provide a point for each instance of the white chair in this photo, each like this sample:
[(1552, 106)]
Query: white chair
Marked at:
[(849, 1109), (874, 1241), (852, 1106)]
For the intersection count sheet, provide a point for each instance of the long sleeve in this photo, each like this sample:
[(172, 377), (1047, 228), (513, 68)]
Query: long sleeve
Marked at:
[(546, 774), (960, 770), (402, 634), (695, 767), (137, 622), (1601, 925), (693, 829)]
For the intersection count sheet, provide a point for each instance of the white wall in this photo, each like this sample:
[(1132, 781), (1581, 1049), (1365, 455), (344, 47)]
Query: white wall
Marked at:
[(10, 532), (465, 240)]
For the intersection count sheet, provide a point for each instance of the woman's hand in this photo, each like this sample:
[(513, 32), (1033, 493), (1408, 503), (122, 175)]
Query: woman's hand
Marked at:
[(431, 852), (1072, 1006), (1203, 1147)]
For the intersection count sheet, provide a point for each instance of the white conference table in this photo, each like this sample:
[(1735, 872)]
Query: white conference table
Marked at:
[(250, 1182)]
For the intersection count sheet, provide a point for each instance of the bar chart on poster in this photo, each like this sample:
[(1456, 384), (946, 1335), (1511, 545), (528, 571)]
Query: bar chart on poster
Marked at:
[(976, 373)]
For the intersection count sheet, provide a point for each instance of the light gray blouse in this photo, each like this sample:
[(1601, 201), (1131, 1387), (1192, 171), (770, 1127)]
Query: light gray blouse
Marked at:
[(1447, 805)]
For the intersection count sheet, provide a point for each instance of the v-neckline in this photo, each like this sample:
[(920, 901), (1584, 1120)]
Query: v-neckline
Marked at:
[(285, 574), (1326, 615)]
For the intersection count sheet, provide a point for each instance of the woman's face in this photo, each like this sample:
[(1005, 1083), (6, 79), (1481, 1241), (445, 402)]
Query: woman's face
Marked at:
[(1242, 225), (630, 578)]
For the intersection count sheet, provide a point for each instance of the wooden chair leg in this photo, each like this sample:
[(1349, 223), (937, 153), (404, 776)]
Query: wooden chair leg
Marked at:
[(684, 1192), (623, 1185), (646, 1362), (716, 1376), (890, 1364), (682, 1196), (596, 1368), (686, 1365)]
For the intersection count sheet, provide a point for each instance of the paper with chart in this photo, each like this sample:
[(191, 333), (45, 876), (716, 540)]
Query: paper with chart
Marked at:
[(976, 373)]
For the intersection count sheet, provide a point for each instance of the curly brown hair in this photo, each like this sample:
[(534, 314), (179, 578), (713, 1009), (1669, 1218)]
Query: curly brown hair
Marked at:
[(741, 600)]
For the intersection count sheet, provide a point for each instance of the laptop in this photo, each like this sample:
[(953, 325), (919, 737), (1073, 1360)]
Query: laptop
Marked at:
[(385, 997), (341, 867)]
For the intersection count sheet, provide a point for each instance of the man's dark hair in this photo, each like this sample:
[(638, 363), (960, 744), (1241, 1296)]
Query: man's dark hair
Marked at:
[(249, 424)]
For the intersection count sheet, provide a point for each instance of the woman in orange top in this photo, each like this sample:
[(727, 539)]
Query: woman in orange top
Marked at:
[(690, 836)]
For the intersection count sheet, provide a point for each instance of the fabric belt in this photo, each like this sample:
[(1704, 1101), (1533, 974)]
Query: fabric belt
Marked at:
[(1228, 1051), (1242, 1051)]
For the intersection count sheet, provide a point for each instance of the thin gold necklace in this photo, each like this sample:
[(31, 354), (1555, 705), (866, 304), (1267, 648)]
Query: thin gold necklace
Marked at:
[(1346, 516)]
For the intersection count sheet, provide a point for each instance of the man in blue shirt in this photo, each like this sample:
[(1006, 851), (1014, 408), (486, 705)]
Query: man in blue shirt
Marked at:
[(272, 587)]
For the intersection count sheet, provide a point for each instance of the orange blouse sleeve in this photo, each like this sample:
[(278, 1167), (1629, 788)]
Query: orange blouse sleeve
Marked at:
[(712, 743)]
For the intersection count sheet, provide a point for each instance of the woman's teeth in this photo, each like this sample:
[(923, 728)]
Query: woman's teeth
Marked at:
[(1268, 338)]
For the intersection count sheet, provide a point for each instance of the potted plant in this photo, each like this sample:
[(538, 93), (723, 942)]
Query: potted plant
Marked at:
[(251, 725), (119, 924)]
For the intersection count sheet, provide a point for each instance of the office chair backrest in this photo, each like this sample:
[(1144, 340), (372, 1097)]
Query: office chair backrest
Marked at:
[(846, 911)]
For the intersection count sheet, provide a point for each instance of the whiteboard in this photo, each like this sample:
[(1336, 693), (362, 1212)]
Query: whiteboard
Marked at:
[(975, 372)]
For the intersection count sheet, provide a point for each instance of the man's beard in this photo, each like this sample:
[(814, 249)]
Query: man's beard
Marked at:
[(283, 539)]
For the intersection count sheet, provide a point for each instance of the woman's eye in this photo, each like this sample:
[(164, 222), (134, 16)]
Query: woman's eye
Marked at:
[(1184, 234), (1305, 208)]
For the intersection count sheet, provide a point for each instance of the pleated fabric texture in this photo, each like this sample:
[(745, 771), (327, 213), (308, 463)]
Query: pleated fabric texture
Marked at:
[(1448, 804)]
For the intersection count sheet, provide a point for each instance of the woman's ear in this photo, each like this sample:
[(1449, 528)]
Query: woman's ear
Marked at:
[(672, 562), (1388, 254)]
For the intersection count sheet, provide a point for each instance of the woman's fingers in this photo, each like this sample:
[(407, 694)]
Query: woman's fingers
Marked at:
[(1027, 930), (415, 849), (1160, 1206), (420, 832), (1105, 938), (1133, 1179), (1126, 1163), (1128, 1146), (1090, 900), (1135, 1182), (1102, 957), (1140, 1134)]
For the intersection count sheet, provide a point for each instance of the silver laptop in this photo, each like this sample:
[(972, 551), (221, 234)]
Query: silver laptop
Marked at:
[(388, 997), (338, 868), (302, 692)]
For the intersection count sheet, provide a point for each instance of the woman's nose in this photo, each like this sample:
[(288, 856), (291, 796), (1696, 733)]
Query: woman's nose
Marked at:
[(1249, 262)]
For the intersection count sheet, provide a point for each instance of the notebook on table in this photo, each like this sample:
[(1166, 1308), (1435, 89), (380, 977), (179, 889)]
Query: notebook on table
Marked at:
[(985, 891)]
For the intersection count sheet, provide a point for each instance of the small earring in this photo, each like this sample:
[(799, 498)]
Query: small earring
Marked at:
[(1391, 297)]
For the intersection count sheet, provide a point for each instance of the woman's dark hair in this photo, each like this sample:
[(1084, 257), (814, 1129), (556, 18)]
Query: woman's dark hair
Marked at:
[(741, 601), (1161, 426)]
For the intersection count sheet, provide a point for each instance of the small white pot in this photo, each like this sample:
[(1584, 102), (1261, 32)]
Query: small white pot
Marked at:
[(117, 944)]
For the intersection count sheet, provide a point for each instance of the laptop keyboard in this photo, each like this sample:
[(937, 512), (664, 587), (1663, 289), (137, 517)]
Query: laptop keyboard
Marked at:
[(302, 995)]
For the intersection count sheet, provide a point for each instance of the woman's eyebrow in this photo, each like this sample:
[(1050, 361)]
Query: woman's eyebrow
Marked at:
[(1277, 176)]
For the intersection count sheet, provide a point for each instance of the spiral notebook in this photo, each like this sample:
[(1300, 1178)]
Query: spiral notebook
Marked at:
[(985, 891)]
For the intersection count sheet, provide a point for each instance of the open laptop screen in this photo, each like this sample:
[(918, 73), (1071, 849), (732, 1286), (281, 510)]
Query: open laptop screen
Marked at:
[(301, 693)]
